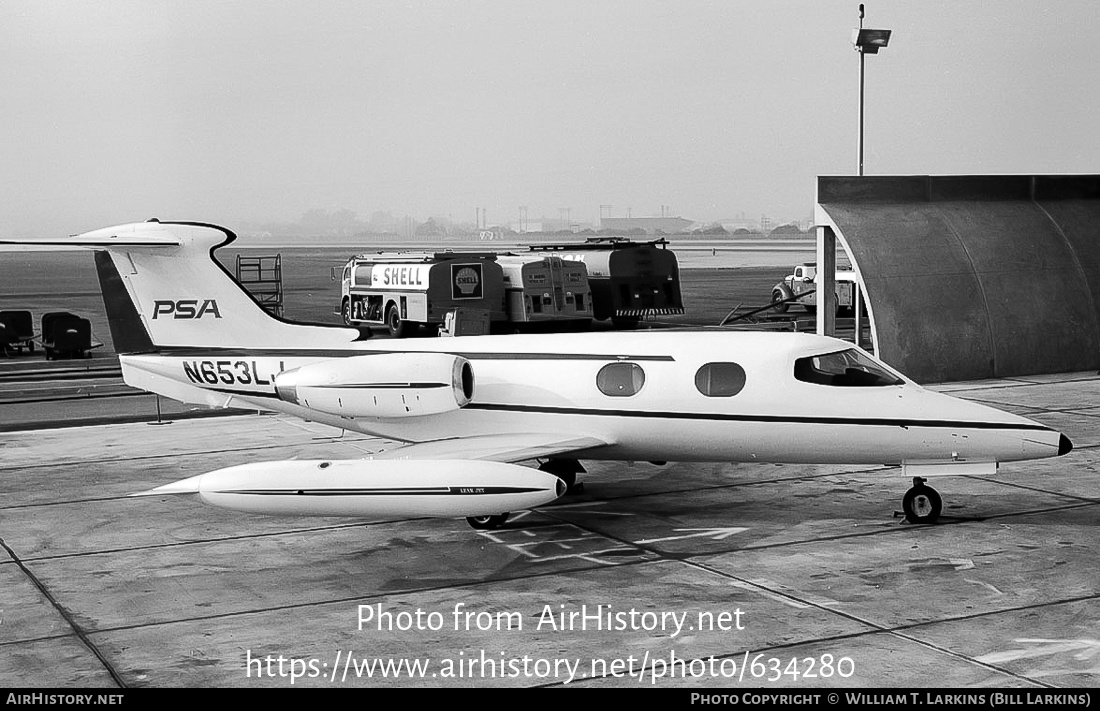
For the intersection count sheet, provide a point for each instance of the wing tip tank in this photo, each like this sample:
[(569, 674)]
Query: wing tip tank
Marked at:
[(183, 486)]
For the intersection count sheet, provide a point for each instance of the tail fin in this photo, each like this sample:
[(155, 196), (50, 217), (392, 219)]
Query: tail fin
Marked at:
[(162, 287), (128, 334)]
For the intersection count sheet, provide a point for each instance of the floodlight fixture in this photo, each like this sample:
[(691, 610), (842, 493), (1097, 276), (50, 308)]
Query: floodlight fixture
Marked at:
[(870, 41)]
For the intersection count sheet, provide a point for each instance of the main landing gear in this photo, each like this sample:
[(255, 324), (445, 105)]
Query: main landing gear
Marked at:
[(564, 469), (487, 523), (922, 503)]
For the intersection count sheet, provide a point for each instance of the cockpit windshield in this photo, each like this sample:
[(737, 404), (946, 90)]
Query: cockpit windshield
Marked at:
[(850, 368)]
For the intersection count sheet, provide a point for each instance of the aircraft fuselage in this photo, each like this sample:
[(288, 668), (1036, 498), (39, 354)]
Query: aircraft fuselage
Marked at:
[(652, 403)]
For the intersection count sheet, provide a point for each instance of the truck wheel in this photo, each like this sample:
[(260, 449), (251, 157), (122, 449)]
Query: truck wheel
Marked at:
[(398, 328), (777, 296), (345, 311)]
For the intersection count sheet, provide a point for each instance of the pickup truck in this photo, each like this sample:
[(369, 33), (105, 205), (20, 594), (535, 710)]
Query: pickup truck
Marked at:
[(804, 281)]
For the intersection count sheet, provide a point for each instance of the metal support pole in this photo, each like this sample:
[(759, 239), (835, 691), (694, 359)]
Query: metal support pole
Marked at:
[(861, 109), (826, 281), (857, 310), (159, 420)]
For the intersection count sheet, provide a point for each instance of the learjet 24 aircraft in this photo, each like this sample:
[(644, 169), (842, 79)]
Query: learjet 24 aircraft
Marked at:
[(469, 408)]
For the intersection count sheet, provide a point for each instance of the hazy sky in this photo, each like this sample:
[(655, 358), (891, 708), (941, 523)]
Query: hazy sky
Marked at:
[(118, 110)]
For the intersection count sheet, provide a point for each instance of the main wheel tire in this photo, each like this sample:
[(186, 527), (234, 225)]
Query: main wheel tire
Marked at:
[(567, 471), (922, 504), (398, 328), (487, 523), (777, 296), (345, 312)]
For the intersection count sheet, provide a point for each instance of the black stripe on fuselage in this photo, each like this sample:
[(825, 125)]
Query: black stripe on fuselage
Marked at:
[(383, 386), (242, 393), (719, 417), (766, 419)]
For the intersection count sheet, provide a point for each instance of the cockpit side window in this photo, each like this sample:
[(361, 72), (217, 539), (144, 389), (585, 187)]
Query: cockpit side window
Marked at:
[(849, 368), (620, 379)]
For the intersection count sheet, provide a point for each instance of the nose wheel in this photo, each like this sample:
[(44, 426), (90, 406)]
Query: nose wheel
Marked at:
[(922, 503)]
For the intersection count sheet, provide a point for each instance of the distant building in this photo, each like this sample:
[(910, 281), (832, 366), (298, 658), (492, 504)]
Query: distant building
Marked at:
[(649, 225), (740, 223), (547, 225)]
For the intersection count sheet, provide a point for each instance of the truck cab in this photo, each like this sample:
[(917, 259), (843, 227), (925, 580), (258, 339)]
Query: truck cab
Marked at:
[(802, 283)]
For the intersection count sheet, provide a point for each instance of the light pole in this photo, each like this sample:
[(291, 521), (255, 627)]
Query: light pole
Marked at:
[(866, 41)]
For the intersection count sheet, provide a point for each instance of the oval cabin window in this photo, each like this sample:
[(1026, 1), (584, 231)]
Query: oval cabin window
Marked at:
[(720, 379), (620, 379)]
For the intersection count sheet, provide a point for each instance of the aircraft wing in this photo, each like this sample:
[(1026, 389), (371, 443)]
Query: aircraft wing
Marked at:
[(506, 448), (473, 477)]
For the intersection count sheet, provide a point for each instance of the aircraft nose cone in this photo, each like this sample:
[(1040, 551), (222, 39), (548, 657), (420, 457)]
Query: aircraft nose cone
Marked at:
[(1064, 446)]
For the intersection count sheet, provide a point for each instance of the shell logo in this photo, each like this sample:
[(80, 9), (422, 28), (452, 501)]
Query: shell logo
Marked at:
[(466, 280)]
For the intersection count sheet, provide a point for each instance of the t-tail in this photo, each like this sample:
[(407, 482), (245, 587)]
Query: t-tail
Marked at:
[(163, 289), (166, 295)]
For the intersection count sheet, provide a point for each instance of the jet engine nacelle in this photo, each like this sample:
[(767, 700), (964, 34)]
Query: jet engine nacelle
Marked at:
[(372, 488), (383, 385)]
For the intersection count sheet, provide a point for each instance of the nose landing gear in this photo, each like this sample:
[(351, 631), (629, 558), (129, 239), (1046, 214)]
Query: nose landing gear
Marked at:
[(922, 503)]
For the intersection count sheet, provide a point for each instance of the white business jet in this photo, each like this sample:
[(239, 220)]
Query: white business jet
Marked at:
[(470, 408)]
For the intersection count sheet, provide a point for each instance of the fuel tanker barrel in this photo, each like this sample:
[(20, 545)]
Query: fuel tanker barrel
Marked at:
[(629, 280)]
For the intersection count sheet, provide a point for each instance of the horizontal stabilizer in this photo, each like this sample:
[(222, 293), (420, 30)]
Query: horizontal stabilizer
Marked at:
[(96, 240)]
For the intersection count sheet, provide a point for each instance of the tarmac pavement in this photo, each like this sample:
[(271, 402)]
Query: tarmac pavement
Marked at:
[(684, 575)]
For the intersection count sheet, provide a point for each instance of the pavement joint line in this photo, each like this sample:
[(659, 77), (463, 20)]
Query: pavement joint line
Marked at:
[(31, 640), (68, 618), (1079, 502), (956, 521), (166, 455), (96, 421), (1084, 412), (558, 520), (1032, 409), (1018, 381), (713, 487), (376, 596), (877, 628), (212, 541), (272, 534), (784, 544), (1025, 487)]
